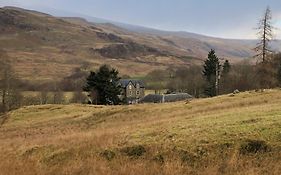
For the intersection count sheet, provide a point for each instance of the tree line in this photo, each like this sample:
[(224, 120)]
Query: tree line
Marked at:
[(218, 76)]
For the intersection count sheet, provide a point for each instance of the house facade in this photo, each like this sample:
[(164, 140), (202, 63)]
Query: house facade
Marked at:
[(132, 90)]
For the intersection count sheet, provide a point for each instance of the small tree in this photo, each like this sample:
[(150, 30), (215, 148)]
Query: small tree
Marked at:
[(226, 68), (105, 85), (43, 96), (211, 74), (225, 85)]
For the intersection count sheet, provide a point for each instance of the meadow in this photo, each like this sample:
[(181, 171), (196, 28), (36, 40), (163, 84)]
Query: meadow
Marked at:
[(229, 134)]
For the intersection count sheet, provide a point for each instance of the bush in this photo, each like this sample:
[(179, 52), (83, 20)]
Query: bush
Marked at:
[(108, 154), (134, 151), (187, 157), (254, 147), (159, 158)]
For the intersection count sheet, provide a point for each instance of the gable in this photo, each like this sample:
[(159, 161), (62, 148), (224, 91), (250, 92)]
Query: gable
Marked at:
[(125, 82)]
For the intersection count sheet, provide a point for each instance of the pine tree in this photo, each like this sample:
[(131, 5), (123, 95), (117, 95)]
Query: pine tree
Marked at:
[(226, 68), (211, 73), (103, 86), (225, 78)]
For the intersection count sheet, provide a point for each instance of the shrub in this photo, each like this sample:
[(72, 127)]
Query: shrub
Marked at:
[(254, 147), (108, 154), (159, 158), (134, 151), (187, 157)]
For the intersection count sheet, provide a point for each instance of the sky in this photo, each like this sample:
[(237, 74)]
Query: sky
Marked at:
[(220, 18)]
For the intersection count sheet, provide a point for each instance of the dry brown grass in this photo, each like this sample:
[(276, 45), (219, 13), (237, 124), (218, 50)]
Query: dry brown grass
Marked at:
[(202, 137)]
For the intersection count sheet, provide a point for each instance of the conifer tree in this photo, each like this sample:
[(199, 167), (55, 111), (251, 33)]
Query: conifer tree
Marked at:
[(226, 68), (211, 73), (103, 86)]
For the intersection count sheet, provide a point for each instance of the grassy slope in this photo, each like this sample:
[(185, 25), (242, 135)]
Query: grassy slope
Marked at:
[(201, 137)]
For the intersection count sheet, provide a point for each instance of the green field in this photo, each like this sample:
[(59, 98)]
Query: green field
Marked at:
[(230, 134)]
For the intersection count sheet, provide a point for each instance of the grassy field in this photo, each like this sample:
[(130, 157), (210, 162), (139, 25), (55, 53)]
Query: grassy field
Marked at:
[(230, 134)]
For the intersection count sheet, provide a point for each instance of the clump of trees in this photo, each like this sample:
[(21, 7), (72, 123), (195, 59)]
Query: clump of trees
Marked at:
[(9, 86), (103, 86)]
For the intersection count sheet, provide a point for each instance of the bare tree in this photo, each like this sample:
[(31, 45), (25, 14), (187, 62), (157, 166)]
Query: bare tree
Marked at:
[(10, 93), (58, 95), (265, 72), (43, 96), (78, 97), (265, 35)]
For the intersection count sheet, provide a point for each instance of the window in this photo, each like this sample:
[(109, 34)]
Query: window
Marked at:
[(130, 93), (138, 92), (130, 87)]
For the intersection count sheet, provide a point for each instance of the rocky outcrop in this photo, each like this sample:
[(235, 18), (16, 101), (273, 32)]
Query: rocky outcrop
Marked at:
[(109, 37), (126, 50)]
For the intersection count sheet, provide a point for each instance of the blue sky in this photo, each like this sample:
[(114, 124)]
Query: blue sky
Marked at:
[(220, 18)]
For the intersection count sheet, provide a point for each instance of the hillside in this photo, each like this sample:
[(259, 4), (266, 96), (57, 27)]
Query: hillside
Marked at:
[(230, 134), (51, 47)]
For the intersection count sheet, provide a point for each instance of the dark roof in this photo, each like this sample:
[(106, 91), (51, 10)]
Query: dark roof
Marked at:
[(177, 97), (124, 82), (152, 98), (155, 98)]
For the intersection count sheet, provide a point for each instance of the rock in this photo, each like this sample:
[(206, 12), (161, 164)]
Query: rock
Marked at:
[(236, 91)]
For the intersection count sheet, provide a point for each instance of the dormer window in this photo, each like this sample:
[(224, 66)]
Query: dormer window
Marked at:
[(138, 85)]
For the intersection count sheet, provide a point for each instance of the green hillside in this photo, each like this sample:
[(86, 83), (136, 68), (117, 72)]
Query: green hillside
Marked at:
[(230, 134)]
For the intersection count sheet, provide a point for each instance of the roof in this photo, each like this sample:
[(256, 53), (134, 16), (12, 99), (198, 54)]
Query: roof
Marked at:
[(124, 82), (155, 98)]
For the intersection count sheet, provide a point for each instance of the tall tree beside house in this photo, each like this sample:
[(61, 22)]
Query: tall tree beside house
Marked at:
[(103, 86), (264, 67), (210, 73)]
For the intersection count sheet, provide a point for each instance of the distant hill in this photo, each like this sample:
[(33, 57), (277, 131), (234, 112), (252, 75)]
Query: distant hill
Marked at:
[(51, 47)]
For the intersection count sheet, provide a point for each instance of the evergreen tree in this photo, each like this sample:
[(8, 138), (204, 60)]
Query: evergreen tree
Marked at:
[(226, 68), (103, 86), (226, 78), (211, 73)]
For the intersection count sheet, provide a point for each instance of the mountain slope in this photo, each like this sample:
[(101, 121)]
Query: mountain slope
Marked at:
[(51, 47)]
